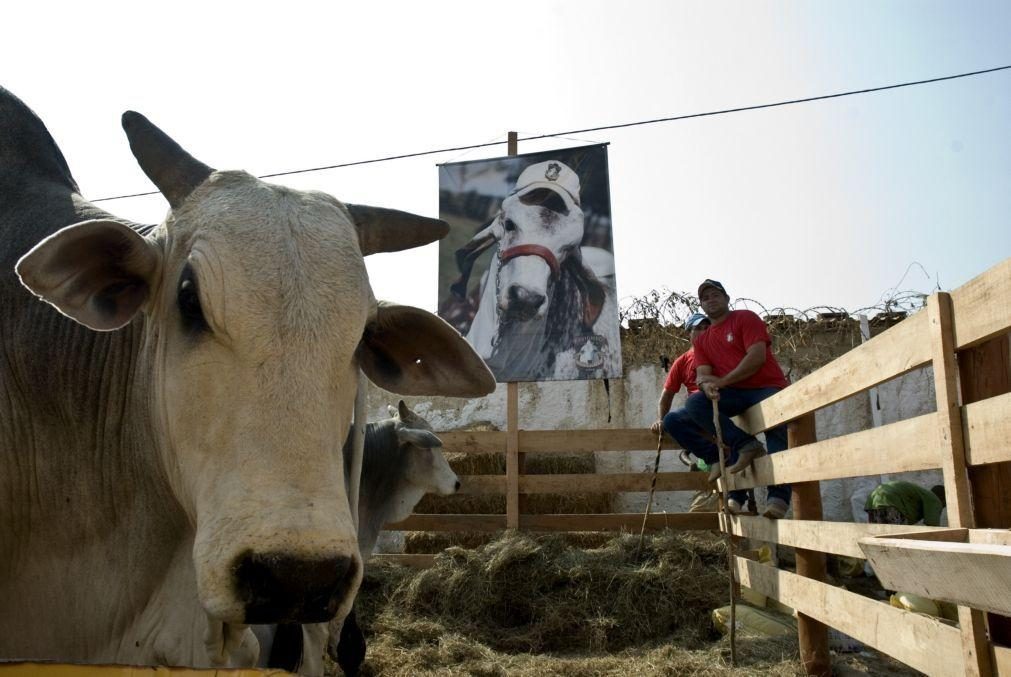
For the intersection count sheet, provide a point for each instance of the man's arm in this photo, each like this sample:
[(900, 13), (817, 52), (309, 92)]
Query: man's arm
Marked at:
[(662, 407), (752, 361)]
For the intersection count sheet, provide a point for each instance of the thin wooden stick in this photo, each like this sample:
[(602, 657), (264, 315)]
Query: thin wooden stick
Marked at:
[(730, 539), (652, 489)]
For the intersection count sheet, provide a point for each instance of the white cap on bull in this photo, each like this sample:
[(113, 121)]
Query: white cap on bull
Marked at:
[(554, 175)]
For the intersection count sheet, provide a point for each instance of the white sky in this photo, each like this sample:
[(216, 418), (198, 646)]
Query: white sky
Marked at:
[(825, 203)]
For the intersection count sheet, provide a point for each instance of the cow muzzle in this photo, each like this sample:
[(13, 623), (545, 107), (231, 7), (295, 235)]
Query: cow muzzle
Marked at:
[(281, 588)]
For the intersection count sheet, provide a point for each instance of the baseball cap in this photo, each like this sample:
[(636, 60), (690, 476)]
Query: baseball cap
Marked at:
[(712, 283), (554, 175), (695, 320)]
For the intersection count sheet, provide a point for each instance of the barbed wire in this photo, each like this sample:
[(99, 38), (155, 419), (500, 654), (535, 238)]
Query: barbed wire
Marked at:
[(803, 339)]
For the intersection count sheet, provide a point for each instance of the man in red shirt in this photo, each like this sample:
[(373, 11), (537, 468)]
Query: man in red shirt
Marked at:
[(734, 365)]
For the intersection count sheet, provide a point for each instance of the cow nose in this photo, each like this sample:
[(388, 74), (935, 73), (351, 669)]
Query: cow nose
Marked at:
[(282, 588), (523, 298)]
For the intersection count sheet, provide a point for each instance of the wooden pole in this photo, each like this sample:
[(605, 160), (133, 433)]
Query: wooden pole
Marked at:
[(985, 371), (727, 520), (514, 458), (812, 635), (975, 650)]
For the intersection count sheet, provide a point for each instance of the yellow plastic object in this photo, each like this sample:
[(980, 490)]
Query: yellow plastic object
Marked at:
[(758, 621), (43, 669), (911, 602)]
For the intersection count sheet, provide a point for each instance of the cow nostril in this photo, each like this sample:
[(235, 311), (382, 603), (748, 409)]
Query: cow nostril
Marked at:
[(524, 297), (279, 587), (456, 487)]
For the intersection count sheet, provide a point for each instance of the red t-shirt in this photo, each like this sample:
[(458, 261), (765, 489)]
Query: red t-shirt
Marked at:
[(723, 346), (682, 372)]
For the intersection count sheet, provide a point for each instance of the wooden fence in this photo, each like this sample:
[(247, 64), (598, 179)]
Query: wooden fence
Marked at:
[(964, 338)]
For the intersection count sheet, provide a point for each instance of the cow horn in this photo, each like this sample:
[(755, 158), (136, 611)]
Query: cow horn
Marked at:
[(174, 171), (390, 230)]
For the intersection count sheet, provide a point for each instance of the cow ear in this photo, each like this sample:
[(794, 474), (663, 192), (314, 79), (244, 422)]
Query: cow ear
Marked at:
[(390, 230), (99, 273), (410, 351), (425, 439)]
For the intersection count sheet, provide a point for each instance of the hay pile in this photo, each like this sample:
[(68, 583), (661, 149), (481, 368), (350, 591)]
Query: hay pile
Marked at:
[(537, 605)]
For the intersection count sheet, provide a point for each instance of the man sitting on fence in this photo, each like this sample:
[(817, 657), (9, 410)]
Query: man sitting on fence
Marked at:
[(735, 366), (905, 503), (682, 372)]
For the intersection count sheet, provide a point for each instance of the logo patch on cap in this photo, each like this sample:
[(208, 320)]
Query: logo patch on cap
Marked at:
[(553, 171)]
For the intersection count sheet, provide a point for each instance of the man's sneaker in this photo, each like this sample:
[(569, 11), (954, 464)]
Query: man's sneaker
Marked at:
[(775, 508), (747, 455), (734, 506)]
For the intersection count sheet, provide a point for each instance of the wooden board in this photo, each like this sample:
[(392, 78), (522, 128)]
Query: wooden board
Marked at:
[(47, 669), (474, 441), (836, 538), (407, 559), (569, 441), (1001, 661), (905, 445), (987, 430), (919, 641), (620, 522), (976, 575), (896, 351), (449, 523), (601, 483), (477, 485), (982, 306)]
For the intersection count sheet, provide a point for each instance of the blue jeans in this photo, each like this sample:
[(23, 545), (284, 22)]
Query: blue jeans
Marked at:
[(692, 428)]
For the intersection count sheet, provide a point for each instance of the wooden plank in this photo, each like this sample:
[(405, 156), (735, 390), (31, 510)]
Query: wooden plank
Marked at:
[(975, 650), (601, 483), (905, 445), (621, 522), (449, 523), (1002, 661), (411, 560), (985, 372), (986, 426), (474, 441), (478, 485), (976, 575), (569, 441), (548, 441), (896, 351), (812, 636), (513, 469), (919, 641), (836, 538), (982, 306)]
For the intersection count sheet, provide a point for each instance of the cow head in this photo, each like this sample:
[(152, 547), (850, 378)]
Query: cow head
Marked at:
[(257, 314), (426, 467), (539, 227)]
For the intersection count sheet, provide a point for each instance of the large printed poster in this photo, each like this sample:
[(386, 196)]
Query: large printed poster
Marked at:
[(527, 270)]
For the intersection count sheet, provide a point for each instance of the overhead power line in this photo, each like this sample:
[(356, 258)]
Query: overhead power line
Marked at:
[(724, 111)]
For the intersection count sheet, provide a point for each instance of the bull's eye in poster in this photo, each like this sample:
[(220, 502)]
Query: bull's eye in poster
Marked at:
[(527, 270)]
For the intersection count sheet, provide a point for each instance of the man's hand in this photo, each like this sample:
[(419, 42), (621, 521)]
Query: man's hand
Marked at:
[(656, 427), (708, 378), (711, 390)]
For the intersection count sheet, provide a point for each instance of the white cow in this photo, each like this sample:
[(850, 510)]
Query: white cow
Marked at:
[(402, 462), (170, 441), (544, 295)]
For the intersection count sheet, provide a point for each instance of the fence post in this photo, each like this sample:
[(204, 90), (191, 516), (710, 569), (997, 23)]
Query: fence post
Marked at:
[(985, 371), (514, 459), (812, 635), (975, 650)]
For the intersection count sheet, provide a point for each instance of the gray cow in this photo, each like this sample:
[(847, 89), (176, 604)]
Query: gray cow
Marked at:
[(168, 470), (402, 461)]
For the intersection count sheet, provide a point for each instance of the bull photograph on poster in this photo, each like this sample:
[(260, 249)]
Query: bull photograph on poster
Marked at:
[(526, 273)]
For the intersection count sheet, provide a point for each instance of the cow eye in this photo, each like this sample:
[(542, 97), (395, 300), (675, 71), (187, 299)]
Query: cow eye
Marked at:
[(509, 225), (188, 300)]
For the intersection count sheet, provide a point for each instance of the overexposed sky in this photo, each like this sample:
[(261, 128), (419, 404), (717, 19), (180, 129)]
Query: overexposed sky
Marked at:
[(825, 203)]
